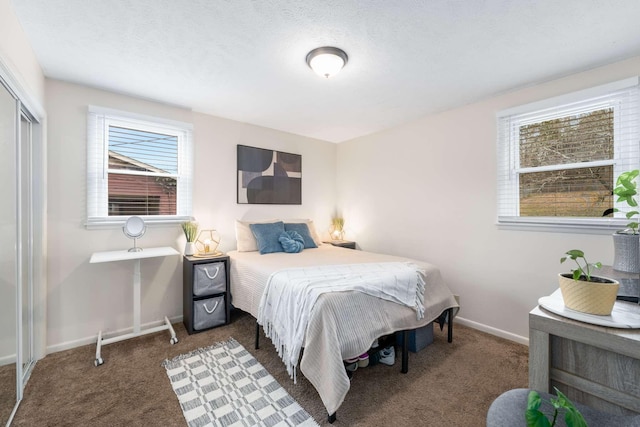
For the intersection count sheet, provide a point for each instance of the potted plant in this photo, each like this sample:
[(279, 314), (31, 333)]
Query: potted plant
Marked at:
[(626, 243), (536, 418), (584, 292), (190, 229), (337, 228)]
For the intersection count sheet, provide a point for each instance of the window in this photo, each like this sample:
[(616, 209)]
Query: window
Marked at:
[(137, 166), (558, 159)]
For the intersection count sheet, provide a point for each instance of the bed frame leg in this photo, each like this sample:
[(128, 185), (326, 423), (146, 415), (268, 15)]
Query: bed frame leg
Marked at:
[(258, 335), (331, 418), (405, 352), (450, 325)]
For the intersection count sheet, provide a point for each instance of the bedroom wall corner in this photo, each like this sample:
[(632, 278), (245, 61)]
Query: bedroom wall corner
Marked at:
[(427, 190)]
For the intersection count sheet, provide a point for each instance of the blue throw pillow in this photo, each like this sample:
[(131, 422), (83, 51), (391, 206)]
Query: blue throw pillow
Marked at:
[(303, 230), (267, 236), (291, 242)]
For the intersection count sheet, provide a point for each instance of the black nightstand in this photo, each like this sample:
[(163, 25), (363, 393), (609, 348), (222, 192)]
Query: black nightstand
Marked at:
[(342, 243), (205, 293)]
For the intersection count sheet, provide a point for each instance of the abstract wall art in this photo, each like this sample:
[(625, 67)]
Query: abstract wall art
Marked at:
[(269, 177)]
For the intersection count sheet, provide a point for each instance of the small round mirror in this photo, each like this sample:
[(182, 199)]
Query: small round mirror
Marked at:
[(134, 228)]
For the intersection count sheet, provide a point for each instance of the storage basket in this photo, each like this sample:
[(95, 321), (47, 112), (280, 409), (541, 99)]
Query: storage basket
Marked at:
[(209, 312), (209, 279)]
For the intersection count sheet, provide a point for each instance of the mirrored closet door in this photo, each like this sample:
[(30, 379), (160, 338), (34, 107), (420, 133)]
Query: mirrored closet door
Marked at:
[(17, 249), (25, 301), (9, 383)]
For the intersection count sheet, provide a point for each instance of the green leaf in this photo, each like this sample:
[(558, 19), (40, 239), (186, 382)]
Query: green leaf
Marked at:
[(625, 192), (576, 274), (563, 259), (573, 418), (561, 401), (632, 174), (575, 253), (536, 418), (631, 213), (597, 265), (533, 400)]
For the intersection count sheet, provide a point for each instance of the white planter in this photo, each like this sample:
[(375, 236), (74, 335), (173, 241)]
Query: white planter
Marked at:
[(626, 252), (190, 248)]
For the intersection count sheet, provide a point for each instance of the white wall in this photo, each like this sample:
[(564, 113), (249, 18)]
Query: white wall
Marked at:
[(84, 298), (428, 190), (16, 53)]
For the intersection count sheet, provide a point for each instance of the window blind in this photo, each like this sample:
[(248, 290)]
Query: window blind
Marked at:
[(558, 160), (137, 165)]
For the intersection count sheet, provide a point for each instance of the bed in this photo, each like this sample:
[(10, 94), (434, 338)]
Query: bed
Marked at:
[(341, 325)]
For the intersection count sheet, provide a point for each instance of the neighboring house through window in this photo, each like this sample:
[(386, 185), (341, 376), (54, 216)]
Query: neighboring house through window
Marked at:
[(558, 159), (137, 166)]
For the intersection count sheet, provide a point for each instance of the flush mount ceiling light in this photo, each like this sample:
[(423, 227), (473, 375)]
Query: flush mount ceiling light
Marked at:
[(327, 61)]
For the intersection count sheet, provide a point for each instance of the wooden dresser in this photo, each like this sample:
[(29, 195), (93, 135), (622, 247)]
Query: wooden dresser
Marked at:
[(593, 365)]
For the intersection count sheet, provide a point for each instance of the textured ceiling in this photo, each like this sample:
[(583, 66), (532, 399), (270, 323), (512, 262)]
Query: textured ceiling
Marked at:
[(245, 60)]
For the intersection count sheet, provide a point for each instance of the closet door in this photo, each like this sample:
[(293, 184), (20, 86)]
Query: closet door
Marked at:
[(10, 384), (25, 237)]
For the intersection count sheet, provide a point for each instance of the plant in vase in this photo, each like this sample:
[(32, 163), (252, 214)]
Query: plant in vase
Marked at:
[(337, 228), (626, 243), (584, 292), (190, 229)]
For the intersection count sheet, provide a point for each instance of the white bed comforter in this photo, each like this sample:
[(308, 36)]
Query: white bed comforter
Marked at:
[(341, 325), (290, 295)]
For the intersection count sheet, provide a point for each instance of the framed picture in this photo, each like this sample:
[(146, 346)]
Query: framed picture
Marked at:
[(269, 177)]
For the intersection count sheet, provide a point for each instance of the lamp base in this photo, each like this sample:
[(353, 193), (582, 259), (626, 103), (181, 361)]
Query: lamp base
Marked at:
[(134, 249), (207, 254)]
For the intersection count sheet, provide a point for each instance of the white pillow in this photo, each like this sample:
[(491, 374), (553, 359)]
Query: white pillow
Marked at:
[(245, 240), (312, 228)]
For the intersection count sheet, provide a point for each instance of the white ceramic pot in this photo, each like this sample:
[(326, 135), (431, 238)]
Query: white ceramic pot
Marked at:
[(190, 248), (595, 297)]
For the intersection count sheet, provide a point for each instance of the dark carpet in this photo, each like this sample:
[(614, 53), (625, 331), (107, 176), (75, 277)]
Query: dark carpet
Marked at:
[(447, 384)]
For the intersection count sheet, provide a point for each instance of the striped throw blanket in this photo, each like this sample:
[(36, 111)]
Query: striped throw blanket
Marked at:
[(290, 295)]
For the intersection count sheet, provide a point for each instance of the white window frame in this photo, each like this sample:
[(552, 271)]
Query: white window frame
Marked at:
[(98, 121), (626, 154)]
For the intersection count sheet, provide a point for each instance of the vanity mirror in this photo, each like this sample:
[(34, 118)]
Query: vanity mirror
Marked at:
[(134, 228)]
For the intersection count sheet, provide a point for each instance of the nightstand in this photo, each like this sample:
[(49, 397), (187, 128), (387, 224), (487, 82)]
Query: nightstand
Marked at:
[(205, 292), (342, 243)]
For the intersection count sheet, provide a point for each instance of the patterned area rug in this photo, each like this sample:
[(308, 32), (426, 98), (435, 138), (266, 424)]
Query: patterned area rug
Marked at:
[(224, 385)]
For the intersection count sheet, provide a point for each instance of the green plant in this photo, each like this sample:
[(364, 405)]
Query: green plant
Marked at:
[(190, 229), (626, 190), (582, 270), (337, 228), (338, 223), (536, 418)]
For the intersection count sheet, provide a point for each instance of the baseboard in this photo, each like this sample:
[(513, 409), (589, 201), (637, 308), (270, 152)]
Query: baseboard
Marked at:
[(6, 360), (94, 338), (491, 330)]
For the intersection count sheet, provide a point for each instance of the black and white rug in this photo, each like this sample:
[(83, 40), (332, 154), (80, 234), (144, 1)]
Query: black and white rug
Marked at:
[(224, 385)]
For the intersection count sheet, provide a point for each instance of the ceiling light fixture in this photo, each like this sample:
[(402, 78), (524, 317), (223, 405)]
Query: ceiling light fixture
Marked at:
[(327, 61)]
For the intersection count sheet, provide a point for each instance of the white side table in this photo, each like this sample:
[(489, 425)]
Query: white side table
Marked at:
[(125, 255)]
